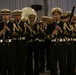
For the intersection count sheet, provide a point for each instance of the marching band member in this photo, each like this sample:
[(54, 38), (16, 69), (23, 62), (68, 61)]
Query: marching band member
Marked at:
[(72, 55), (33, 45), (44, 46), (18, 28), (69, 33), (7, 51), (57, 47)]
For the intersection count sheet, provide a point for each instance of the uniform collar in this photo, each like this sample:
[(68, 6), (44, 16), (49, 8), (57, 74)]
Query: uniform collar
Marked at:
[(6, 21)]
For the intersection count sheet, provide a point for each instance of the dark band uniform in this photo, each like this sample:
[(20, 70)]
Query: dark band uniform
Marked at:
[(20, 44), (74, 25), (33, 48), (44, 47), (69, 33), (57, 47), (71, 48), (7, 51)]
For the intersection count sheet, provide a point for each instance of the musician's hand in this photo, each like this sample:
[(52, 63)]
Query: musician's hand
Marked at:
[(55, 32), (20, 28), (58, 28), (6, 28), (2, 32)]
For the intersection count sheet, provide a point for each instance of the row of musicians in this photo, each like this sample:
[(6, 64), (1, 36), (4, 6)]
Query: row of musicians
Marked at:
[(62, 52), (18, 40), (11, 61)]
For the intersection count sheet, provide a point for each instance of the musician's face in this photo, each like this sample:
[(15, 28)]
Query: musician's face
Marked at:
[(32, 19), (56, 16), (44, 22), (64, 20), (6, 17), (17, 17)]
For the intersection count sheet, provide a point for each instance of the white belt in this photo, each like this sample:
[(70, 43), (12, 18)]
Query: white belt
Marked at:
[(8, 40), (59, 40), (41, 40), (37, 39), (53, 40), (74, 39), (21, 38), (1, 40), (71, 39), (64, 40)]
